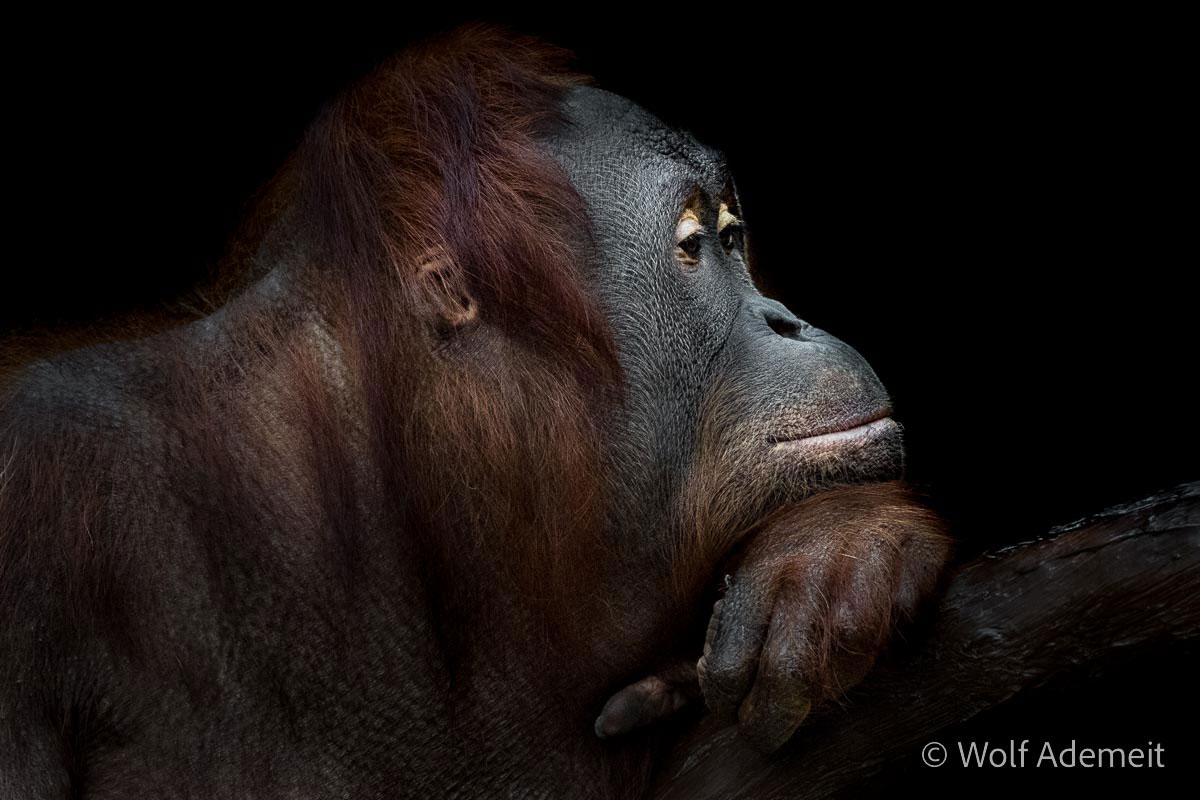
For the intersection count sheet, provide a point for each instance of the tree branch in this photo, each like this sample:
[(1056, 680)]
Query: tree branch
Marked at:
[(1008, 621)]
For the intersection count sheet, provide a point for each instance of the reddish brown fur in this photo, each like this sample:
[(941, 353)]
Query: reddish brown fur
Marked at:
[(436, 155), (325, 440), (342, 414), (820, 545), (815, 593), (435, 152)]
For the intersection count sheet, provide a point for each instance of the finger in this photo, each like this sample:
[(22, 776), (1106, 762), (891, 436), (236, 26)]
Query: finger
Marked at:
[(647, 701), (859, 620), (924, 554), (849, 663), (783, 692), (735, 634)]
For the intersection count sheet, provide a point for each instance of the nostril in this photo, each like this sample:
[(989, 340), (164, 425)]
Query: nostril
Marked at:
[(785, 325)]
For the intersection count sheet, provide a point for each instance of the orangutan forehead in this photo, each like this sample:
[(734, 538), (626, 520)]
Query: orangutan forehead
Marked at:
[(706, 163), (609, 123)]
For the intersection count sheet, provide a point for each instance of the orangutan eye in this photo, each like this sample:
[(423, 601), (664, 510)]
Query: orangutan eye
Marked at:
[(731, 237), (691, 245), (729, 228), (689, 236)]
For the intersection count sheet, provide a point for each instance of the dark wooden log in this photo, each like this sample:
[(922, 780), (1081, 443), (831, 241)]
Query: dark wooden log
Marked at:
[(1125, 579)]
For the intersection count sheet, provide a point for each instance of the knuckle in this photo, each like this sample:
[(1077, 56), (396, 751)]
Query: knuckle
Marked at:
[(722, 681), (848, 671), (772, 713)]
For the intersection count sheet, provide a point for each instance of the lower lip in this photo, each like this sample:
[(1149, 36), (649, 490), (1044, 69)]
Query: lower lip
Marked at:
[(840, 439)]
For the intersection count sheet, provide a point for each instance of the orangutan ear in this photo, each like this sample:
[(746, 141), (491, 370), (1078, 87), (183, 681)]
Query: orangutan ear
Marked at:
[(450, 302)]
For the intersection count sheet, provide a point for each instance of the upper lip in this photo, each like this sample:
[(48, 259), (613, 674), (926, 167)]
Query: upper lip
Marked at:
[(841, 426)]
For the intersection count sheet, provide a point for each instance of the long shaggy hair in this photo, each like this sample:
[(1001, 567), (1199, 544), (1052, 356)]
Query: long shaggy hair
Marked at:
[(425, 187), (352, 405)]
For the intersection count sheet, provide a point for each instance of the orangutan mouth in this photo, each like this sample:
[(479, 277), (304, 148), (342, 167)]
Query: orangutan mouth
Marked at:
[(858, 431)]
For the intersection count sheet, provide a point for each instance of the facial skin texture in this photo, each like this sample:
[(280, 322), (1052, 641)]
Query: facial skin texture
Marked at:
[(699, 344), (783, 408), (495, 419)]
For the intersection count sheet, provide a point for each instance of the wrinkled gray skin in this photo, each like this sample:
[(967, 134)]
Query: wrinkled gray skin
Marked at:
[(685, 333), (248, 681)]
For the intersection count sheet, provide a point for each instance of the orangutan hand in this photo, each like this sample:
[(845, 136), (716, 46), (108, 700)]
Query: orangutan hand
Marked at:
[(811, 604)]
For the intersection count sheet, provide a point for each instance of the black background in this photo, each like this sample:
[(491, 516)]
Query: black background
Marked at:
[(998, 211)]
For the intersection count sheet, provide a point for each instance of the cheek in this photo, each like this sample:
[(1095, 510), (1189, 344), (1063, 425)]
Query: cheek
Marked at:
[(670, 340), (728, 477), (769, 390)]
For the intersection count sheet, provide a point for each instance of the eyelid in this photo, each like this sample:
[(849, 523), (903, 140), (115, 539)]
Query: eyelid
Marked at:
[(725, 218), (689, 225)]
